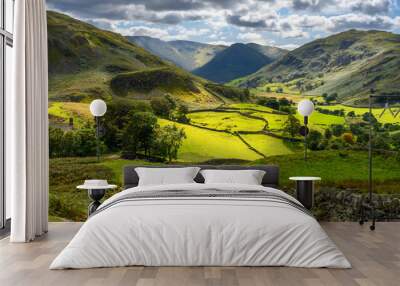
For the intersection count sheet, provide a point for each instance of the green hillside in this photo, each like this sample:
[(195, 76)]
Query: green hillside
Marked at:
[(348, 63), (273, 53), (75, 46), (236, 61), (86, 63)]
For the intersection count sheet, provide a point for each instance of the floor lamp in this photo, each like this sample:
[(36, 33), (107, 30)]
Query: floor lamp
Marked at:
[(98, 108), (305, 108)]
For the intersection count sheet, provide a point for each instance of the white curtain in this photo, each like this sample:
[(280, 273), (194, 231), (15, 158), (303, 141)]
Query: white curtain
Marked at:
[(27, 124)]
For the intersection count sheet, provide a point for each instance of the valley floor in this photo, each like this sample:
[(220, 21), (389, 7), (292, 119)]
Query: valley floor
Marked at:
[(375, 258)]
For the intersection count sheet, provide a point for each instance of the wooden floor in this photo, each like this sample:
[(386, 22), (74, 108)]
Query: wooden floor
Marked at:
[(375, 257)]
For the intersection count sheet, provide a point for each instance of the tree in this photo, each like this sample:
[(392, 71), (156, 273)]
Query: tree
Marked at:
[(328, 134), (162, 106), (179, 114), (118, 116), (357, 128), (351, 114), (139, 133), (331, 97), (271, 102), (292, 126), (284, 102), (85, 142), (337, 129), (169, 140), (314, 139), (366, 118)]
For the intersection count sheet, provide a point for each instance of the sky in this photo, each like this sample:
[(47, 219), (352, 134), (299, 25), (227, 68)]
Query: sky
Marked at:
[(282, 23)]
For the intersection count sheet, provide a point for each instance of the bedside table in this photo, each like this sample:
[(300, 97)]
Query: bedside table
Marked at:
[(96, 190), (305, 190)]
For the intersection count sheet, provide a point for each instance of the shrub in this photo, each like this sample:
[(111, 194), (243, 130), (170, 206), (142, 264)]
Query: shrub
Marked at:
[(348, 138), (337, 129), (396, 141), (381, 142), (72, 143), (314, 140), (336, 144)]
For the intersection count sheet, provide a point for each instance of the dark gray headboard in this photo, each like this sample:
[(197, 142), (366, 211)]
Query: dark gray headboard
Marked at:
[(271, 178)]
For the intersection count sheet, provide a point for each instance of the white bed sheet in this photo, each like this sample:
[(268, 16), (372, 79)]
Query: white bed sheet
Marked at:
[(200, 232)]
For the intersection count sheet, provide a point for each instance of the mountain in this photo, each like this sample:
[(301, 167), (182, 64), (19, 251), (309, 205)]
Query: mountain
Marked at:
[(86, 63), (235, 61), (349, 64), (273, 53), (185, 54)]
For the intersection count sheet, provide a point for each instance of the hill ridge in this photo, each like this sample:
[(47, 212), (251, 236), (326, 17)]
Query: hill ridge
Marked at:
[(348, 63)]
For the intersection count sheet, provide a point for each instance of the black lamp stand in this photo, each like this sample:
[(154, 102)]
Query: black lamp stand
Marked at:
[(368, 206), (97, 138), (305, 137)]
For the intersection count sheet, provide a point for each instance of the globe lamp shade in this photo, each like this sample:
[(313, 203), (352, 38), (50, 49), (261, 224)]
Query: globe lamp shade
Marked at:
[(305, 107), (98, 107)]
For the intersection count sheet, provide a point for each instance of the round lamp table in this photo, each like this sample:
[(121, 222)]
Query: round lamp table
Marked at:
[(305, 190), (96, 190)]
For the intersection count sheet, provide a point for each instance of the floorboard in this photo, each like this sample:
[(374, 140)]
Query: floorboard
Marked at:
[(375, 257)]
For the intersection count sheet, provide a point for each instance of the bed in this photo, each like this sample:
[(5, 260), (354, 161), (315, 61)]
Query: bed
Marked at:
[(198, 224)]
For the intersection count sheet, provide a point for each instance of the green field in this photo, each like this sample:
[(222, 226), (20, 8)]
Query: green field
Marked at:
[(386, 117), (268, 145), (275, 121), (319, 121), (348, 170), (226, 121), (201, 145), (246, 106), (61, 112)]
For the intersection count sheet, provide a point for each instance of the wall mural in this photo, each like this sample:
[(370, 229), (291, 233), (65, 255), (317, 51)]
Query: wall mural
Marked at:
[(190, 102)]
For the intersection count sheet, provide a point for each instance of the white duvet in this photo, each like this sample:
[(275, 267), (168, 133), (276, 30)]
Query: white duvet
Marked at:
[(202, 232)]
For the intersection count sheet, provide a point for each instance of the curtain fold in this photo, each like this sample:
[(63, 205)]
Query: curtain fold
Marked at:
[(27, 124)]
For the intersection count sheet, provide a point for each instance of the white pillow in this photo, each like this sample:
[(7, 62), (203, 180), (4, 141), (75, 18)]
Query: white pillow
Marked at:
[(245, 177), (166, 176)]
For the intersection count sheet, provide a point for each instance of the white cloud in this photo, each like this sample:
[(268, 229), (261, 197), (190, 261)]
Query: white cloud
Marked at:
[(357, 21), (142, 31), (288, 46), (253, 38), (370, 7), (222, 43), (231, 20)]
